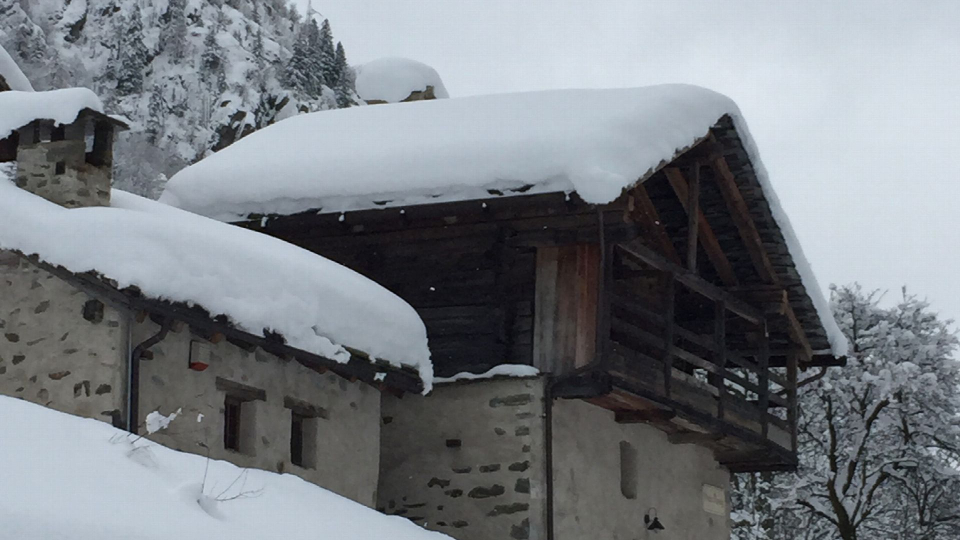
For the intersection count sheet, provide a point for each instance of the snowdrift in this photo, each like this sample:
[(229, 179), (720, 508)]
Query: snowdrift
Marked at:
[(70, 478)]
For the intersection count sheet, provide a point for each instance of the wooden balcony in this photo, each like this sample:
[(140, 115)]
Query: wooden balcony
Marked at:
[(673, 350)]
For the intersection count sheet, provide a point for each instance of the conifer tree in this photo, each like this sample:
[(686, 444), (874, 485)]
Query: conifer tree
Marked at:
[(211, 61), (297, 75), (156, 114), (344, 80), (133, 55), (173, 36), (327, 55)]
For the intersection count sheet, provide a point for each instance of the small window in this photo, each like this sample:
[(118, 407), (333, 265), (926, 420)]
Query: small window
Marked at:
[(628, 470), (304, 420), (232, 409), (61, 167), (296, 439)]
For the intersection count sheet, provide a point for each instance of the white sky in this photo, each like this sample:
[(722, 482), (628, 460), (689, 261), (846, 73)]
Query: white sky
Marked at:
[(855, 105)]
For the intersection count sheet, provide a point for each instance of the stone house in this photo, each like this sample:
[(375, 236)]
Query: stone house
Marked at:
[(85, 332), (605, 358)]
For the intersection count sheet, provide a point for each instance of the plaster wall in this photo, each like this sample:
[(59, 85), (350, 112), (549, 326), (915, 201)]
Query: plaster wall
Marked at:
[(79, 184), (344, 445), (467, 460), (50, 354), (588, 494)]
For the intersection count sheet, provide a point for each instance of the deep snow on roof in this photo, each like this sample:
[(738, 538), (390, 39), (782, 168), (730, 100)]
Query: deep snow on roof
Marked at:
[(11, 73), (593, 142), (18, 109), (260, 283), (394, 79)]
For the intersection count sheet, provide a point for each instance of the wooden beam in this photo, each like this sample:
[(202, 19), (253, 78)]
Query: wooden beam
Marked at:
[(694, 437), (693, 281), (776, 302), (693, 216), (740, 213), (642, 209), (708, 239), (645, 416)]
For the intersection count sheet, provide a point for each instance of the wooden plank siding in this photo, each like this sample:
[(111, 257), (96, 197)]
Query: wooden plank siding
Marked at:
[(567, 296)]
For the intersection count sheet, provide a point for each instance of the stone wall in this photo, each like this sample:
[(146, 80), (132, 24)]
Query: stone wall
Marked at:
[(59, 347), (591, 495), (467, 460), (58, 172), (343, 446)]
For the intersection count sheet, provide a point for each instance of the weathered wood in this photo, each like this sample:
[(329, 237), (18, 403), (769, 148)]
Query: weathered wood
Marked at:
[(792, 411), (645, 213), (708, 239), (693, 281), (763, 361), (693, 218), (693, 437), (720, 351), (644, 416), (740, 213), (776, 302), (240, 391), (565, 336), (670, 301)]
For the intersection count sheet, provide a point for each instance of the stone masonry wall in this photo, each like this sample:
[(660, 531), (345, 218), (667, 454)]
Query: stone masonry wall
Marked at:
[(78, 184), (343, 446), (50, 354), (467, 460), (589, 496)]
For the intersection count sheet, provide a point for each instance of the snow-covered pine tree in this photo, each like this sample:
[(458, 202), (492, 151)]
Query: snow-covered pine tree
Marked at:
[(879, 439), (344, 85), (298, 74), (157, 112), (132, 54), (212, 67), (328, 55), (173, 35)]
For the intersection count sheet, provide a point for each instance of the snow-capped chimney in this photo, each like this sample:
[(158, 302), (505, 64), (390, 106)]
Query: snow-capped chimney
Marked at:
[(70, 165), (396, 80)]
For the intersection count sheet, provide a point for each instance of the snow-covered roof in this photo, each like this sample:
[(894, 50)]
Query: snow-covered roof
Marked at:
[(393, 80), (111, 485), (596, 143), (260, 283), (18, 109), (11, 74)]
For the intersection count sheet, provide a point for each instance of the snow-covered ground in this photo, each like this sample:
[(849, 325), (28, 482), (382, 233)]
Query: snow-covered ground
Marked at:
[(593, 142), (394, 79), (259, 282), (69, 478)]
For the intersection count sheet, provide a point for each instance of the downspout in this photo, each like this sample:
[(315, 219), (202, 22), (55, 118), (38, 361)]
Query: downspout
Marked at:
[(133, 371), (548, 451)]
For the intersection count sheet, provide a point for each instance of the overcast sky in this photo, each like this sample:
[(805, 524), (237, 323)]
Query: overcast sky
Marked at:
[(855, 105)]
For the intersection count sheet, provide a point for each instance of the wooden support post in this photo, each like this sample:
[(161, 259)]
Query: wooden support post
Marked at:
[(763, 367), (669, 317), (693, 216), (792, 398), (708, 239), (720, 352)]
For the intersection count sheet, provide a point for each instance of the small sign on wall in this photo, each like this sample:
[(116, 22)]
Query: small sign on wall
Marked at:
[(714, 500)]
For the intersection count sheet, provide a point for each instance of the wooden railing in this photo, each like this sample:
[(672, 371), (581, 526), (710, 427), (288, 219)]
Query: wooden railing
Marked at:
[(651, 347)]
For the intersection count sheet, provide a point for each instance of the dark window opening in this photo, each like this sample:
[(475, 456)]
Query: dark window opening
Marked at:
[(628, 470), (61, 167), (296, 439), (232, 408), (59, 133)]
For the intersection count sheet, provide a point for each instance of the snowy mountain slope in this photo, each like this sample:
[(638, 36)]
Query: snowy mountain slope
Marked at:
[(192, 75), (73, 478)]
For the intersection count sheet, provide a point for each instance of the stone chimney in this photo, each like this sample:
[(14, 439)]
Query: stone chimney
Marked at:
[(70, 165)]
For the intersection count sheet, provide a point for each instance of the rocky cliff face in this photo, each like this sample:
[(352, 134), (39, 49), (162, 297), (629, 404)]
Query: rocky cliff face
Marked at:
[(192, 76)]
